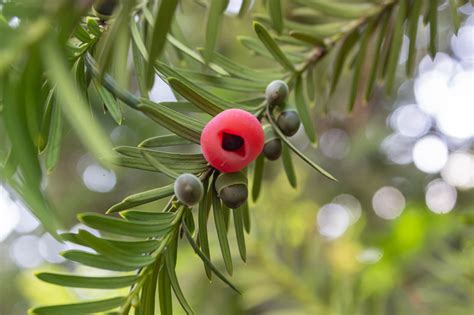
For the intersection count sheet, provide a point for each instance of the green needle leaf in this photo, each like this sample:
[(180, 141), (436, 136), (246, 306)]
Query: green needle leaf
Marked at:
[(138, 60), (131, 247), (359, 63), (413, 19), (200, 97), (308, 37), (377, 53), (303, 110), (81, 34), (53, 147), (161, 28), (216, 10), (79, 308), (163, 156), (95, 261), (344, 51), (224, 82), (182, 125), (147, 298), (339, 9), (94, 27), (164, 291), (46, 121), (288, 166), (246, 216), (143, 198), (194, 55), (203, 216), (123, 227), (239, 232), (197, 99), (272, 46), (117, 255), (142, 164), (206, 260), (87, 282), (396, 46), (219, 221), (433, 18), (112, 105), (320, 30), (73, 104), (241, 71), (453, 6), (276, 15), (163, 141), (158, 217), (244, 8), (257, 176), (159, 166), (169, 264), (298, 152)]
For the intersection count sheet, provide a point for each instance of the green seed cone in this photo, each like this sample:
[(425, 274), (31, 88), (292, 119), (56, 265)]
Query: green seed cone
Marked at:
[(288, 122), (232, 189), (188, 189), (276, 93), (272, 149)]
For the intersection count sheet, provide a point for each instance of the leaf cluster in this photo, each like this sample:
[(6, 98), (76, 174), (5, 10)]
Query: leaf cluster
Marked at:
[(59, 55)]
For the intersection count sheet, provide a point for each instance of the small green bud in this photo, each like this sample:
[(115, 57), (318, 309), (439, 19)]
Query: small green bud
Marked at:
[(188, 189), (276, 93), (232, 188), (272, 149), (288, 122), (234, 196)]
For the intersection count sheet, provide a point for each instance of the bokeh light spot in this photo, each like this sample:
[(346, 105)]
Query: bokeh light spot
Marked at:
[(440, 197), (388, 202), (25, 252), (459, 170), (430, 154), (335, 143), (369, 255), (9, 214), (98, 179), (333, 220), (351, 204)]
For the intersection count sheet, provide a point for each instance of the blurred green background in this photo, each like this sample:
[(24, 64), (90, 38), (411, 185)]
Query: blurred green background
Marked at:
[(393, 236)]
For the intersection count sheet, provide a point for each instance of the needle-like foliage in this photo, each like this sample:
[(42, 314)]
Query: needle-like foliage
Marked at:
[(61, 51)]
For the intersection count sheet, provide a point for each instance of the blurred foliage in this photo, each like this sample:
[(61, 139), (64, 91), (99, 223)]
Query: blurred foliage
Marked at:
[(426, 265)]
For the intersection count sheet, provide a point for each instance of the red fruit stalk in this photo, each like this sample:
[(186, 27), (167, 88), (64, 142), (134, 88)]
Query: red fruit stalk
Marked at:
[(232, 140)]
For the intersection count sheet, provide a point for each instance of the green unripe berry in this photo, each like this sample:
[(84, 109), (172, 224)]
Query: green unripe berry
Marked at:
[(272, 149), (234, 196), (105, 8), (288, 122), (276, 93), (188, 189)]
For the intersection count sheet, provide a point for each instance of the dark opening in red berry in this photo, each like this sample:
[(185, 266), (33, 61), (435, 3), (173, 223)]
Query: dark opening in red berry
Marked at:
[(231, 142)]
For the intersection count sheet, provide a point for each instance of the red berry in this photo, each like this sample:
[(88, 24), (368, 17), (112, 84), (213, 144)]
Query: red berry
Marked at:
[(232, 140)]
